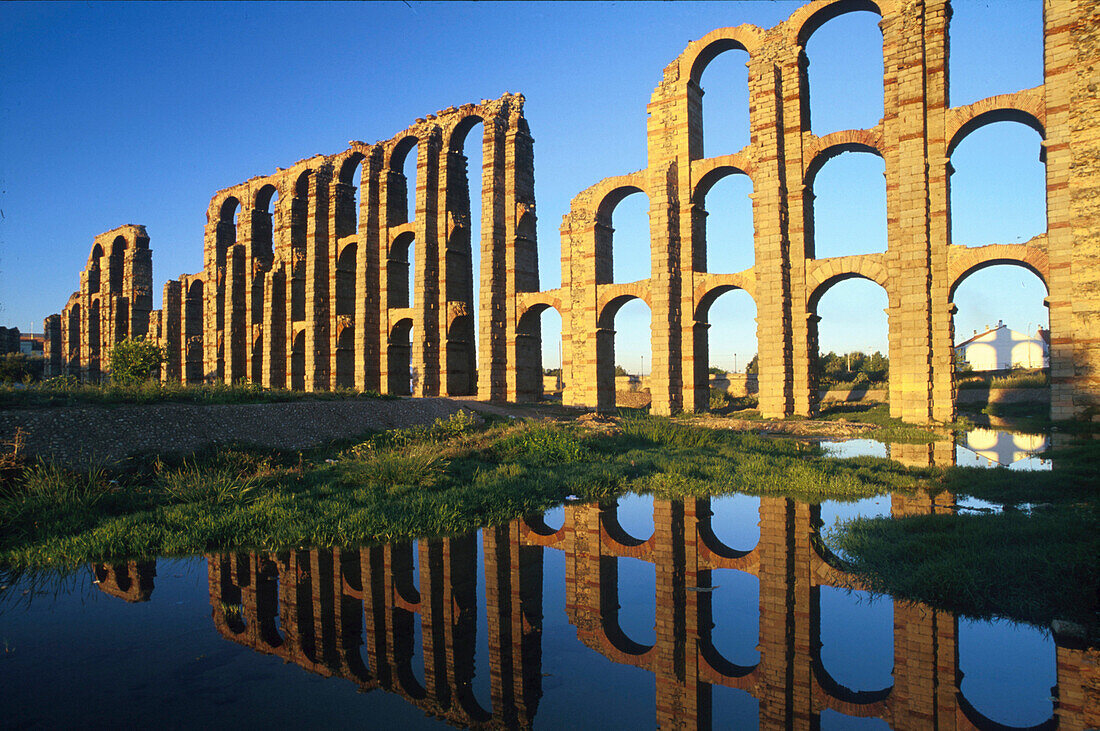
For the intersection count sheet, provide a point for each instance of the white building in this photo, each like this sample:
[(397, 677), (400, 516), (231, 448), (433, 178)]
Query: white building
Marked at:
[(999, 348)]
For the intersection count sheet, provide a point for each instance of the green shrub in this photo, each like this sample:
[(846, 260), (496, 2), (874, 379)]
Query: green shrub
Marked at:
[(135, 360), (20, 368), (543, 445)]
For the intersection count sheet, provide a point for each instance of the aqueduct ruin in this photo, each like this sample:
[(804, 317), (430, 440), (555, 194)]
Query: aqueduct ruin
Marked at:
[(302, 288)]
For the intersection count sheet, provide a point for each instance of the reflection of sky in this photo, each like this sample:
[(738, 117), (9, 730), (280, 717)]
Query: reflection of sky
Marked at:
[(736, 521), (834, 511), (1000, 660), (855, 448)]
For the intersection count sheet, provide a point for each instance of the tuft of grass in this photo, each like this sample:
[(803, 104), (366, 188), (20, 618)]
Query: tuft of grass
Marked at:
[(542, 444), (1032, 568)]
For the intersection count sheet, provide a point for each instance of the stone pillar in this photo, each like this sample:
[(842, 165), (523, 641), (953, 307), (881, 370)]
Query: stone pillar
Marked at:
[(776, 125), (172, 309), (317, 298), (1072, 44), (905, 126), (520, 256), (425, 297), (666, 377), (368, 299), (54, 350), (494, 302)]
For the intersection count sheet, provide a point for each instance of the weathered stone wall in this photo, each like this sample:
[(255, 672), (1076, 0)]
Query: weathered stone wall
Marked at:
[(920, 269), (302, 289), (114, 302)]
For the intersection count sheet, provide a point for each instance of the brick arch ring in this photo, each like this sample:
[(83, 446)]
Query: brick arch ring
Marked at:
[(1029, 257)]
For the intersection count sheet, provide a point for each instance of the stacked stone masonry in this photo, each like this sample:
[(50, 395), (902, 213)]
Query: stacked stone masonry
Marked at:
[(301, 289)]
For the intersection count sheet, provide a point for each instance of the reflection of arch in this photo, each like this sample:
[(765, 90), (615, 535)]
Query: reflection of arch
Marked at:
[(629, 650), (965, 261), (825, 680), (979, 720)]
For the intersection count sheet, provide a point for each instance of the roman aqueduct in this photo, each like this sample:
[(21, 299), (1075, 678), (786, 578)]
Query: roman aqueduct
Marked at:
[(305, 281)]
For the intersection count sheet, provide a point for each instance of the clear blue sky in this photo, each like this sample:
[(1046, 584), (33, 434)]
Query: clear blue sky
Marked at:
[(138, 112)]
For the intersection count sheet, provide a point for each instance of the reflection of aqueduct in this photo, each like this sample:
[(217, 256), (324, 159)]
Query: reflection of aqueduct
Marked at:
[(351, 613), (302, 290)]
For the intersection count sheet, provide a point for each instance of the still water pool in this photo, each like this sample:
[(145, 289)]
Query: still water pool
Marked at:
[(636, 613)]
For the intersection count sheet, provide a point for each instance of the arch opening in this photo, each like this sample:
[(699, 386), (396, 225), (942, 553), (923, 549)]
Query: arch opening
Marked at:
[(466, 172), (399, 348), (723, 78), (623, 350), (345, 316), (849, 332), (727, 240), (193, 333), (116, 265), (997, 185), (539, 354), (401, 197), (1000, 332), (842, 68), (846, 204), (347, 197), (726, 316), (623, 237)]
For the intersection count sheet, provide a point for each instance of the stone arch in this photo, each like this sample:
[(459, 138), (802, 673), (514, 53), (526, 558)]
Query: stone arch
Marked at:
[(298, 361), (345, 354), (824, 273), (708, 175), (529, 366), (976, 259), (607, 310), (226, 225), (346, 201), (1025, 108), (831, 147), (263, 222), (73, 358), (116, 265), (94, 268), (399, 265), (806, 20), (398, 191), (700, 53), (399, 353), (193, 331), (705, 297), (608, 194), (837, 143)]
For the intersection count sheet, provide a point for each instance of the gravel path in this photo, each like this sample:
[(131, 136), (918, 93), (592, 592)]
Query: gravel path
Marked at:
[(80, 435)]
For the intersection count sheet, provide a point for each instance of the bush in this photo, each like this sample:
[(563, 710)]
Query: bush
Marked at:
[(20, 368), (135, 361)]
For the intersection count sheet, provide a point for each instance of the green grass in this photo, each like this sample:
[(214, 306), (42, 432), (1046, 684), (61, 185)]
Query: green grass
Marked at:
[(890, 429), (66, 391), (1019, 379), (444, 479)]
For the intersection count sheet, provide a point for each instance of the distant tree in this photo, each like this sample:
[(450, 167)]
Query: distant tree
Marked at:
[(620, 371), (135, 361), (753, 367), (19, 368), (552, 372), (716, 371)]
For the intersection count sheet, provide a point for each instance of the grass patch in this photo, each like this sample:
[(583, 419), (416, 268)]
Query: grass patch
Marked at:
[(67, 391), (444, 479), (1013, 379), (1034, 567), (890, 429)]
